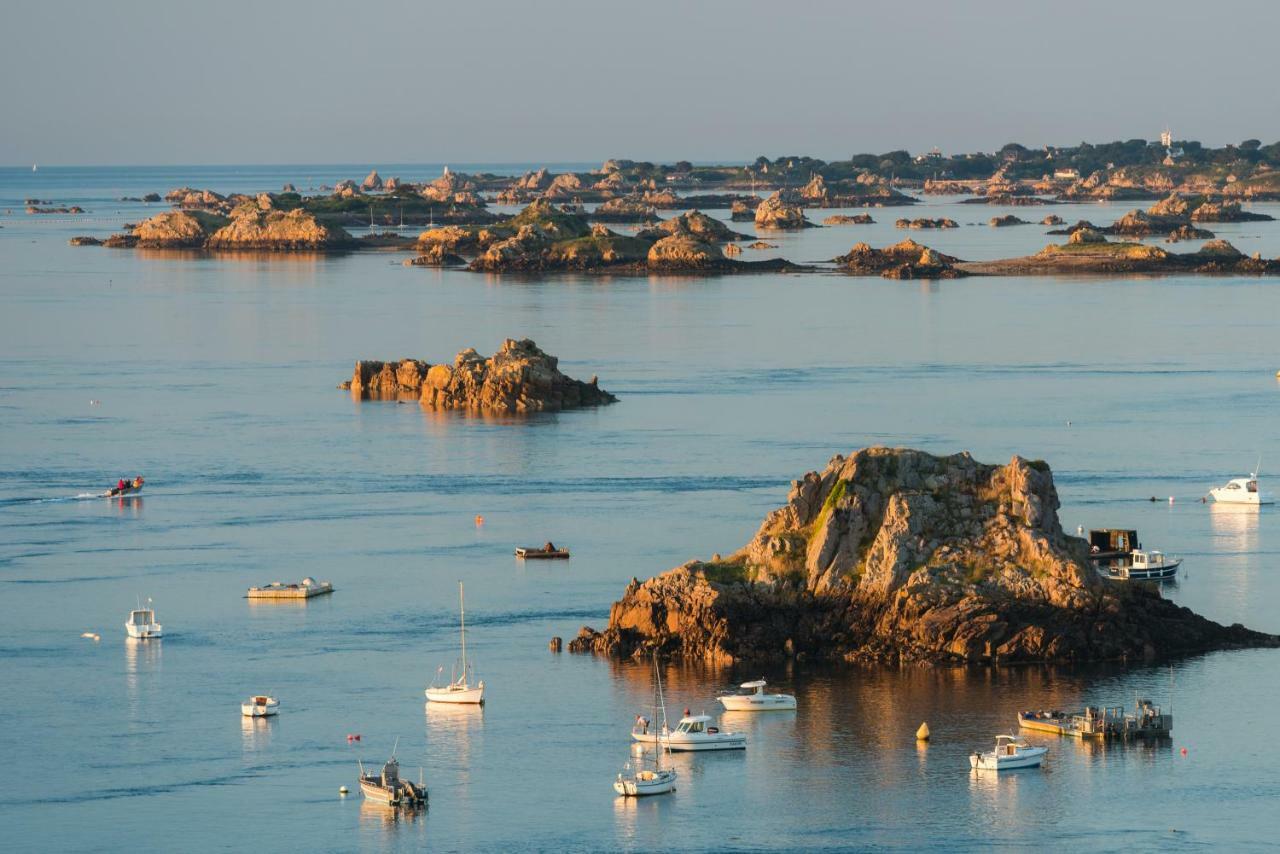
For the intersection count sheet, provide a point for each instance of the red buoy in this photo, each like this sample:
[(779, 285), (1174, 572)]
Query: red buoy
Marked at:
[(1184, 751)]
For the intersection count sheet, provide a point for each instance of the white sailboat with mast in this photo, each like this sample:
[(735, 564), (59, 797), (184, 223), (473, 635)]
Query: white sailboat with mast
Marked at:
[(459, 689)]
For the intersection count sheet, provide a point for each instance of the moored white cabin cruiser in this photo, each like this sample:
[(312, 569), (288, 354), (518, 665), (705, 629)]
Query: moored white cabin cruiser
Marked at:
[(752, 698), (694, 732), (1242, 490), (142, 623), (260, 706), (1009, 753)]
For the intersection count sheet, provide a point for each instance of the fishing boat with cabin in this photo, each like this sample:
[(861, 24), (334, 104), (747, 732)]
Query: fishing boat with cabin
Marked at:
[(387, 787), (142, 623), (1010, 753)]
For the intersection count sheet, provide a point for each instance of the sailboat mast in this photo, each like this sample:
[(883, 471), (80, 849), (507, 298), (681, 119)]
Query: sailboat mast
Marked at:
[(462, 611)]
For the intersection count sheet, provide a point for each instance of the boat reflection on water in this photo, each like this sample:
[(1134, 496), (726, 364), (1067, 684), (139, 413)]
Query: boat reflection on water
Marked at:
[(630, 813), (141, 663), (384, 818), (454, 734), (1235, 526), (255, 733)]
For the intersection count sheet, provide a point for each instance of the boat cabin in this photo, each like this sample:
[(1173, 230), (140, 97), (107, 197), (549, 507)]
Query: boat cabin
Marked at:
[(143, 617), (1112, 541), (1147, 560), (752, 688), (1007, 745), (1246, 484), (696, 724)]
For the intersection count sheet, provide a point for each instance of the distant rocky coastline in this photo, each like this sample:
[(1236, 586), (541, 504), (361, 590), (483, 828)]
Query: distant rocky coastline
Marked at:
[(518, 379), (899, 555)]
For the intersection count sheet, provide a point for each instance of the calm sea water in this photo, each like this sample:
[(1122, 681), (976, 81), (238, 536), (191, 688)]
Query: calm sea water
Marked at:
[(216, 379)]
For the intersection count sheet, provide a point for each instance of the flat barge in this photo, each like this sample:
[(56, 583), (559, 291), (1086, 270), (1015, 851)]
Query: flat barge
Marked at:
[(1103, 724), (307, 588)]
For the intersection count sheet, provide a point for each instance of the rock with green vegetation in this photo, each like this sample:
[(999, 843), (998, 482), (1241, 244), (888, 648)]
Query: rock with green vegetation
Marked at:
[(904, 260), (699, 226), (682, 252), (185, 229), (250, 227), (899, 555), (624, 209)]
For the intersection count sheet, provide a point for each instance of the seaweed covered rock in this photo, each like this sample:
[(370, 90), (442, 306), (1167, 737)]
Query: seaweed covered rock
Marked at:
[(519, 378), (1006, 220), (941, 222), (900, 555), (846, 219), (624, 209), (251, 227)]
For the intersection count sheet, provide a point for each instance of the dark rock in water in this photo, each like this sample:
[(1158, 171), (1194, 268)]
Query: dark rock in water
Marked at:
[(151, 197), (1006, 220), (519, 378), (942, 222), (556, 644), (904, 260), (899, 555), (845, 219), (1188, 232), (85, 241)]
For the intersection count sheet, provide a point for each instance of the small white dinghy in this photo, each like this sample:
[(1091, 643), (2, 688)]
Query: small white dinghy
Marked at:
[(459, 689), (142, 623), (1009, 753), (752, 698), (260, 706)]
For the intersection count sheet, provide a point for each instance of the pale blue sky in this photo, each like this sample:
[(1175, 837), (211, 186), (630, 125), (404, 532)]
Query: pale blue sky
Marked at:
[(292, 81)]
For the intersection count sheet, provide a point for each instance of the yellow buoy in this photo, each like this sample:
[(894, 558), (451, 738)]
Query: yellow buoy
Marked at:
[(922, 734)]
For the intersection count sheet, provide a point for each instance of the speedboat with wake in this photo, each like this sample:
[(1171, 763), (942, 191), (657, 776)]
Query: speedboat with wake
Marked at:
[(125, 488), (752, 698)]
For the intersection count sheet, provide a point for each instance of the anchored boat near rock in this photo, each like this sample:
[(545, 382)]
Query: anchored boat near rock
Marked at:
[(900, 555)]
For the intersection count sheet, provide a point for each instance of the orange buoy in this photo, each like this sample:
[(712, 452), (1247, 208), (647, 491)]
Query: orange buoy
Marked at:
[(479, 520)]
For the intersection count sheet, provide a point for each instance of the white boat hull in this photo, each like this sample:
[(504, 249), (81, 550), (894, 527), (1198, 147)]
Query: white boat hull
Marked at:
[(1029, 758), (142, 632), (757, 702), (453, 694), (646, 783), (678, 742), (1240, 496), (253, 710)]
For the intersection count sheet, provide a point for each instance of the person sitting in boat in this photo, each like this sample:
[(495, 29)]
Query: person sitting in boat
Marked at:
[(549, 547), (642, 724), (137, 482)]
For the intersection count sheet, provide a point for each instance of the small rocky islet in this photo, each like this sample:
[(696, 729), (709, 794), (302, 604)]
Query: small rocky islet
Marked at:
[(897, 555), (518, 379)]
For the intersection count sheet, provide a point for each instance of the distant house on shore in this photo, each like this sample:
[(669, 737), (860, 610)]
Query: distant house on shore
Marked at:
[(1067, 174)]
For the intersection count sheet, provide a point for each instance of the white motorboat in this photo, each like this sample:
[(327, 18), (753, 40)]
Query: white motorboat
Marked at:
[(694, 732), (752, 698), (1242, 490), (142, 623), (460, 688), (638, 782), (260, 706), (1009, 753)]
